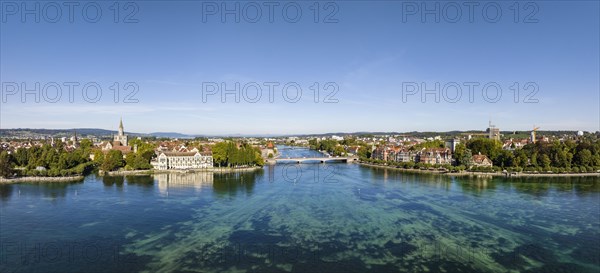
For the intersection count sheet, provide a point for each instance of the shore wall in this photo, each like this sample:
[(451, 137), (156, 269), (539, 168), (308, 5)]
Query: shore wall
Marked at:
[(465, 173), (150, 172), (40, 179)]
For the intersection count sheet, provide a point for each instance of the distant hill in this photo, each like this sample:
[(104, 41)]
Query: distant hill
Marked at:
[(37, 133), (171, 135), (30, 132)]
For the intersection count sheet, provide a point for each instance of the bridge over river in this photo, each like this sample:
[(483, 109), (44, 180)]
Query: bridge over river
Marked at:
[(299, 160)]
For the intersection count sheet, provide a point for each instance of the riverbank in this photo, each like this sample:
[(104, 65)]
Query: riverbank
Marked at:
[(151, 172), (40, 179), (467, 173)]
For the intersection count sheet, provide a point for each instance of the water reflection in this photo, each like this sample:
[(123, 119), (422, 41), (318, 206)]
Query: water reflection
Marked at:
[(394, 176), (582, 185), (110, 181), (229, 184), (5, 192), (52, 190), (196, 181), (476, 185), (145, 181)]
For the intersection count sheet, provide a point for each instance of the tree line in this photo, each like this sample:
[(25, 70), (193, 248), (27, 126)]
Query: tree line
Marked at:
[(47, 160), (229, 154), (331, 146)]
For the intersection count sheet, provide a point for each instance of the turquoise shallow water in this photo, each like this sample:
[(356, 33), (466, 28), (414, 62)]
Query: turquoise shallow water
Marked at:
[(299, 218)]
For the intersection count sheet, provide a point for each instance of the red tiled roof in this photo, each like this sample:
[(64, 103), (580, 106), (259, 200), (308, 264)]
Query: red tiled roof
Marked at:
[(480, 158), (124, 149), (179, 153)]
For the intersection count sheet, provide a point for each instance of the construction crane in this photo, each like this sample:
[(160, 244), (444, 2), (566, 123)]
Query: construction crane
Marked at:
[(533, 133)]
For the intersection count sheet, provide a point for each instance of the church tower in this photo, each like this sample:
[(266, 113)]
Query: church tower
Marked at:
[(121, 137), (121, 130)]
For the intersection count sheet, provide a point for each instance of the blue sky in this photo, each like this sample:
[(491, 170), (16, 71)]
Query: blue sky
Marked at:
[(173, 53)]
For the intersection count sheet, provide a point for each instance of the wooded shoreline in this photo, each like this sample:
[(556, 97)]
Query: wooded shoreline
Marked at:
[(467, 173)]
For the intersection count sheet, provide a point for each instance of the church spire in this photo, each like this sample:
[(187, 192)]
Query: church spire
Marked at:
[(121, 138), (121, 129)]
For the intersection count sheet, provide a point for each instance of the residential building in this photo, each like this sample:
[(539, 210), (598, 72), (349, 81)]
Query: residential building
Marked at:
[(480, 160), (435, 156), (405, 155)]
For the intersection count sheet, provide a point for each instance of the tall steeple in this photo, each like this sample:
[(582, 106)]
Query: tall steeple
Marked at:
[(121, 130), (74, 140), (121, 137)]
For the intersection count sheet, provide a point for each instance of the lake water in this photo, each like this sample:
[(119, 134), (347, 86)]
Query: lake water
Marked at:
[(302, 218)]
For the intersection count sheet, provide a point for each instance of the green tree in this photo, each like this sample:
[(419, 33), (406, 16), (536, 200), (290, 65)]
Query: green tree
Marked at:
[(339, 150), (112, 161), (21, 156), (489, 147), (6, 162), (505, 159), (520, 158), (63, 162), (219, 152), (86, 144), (364, 152), (229, 154), (583, 158), (467, 158), (98, 157), (545, 161), (429, 144), (459, 152), (462, 155), (534, 159), (136, 161)]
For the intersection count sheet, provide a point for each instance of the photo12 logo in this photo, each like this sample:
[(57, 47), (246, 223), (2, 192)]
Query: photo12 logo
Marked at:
[(269, 11), (54, 92), (253, 92), (68, 11), (469, 12), (312, 173), (453, 92)]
